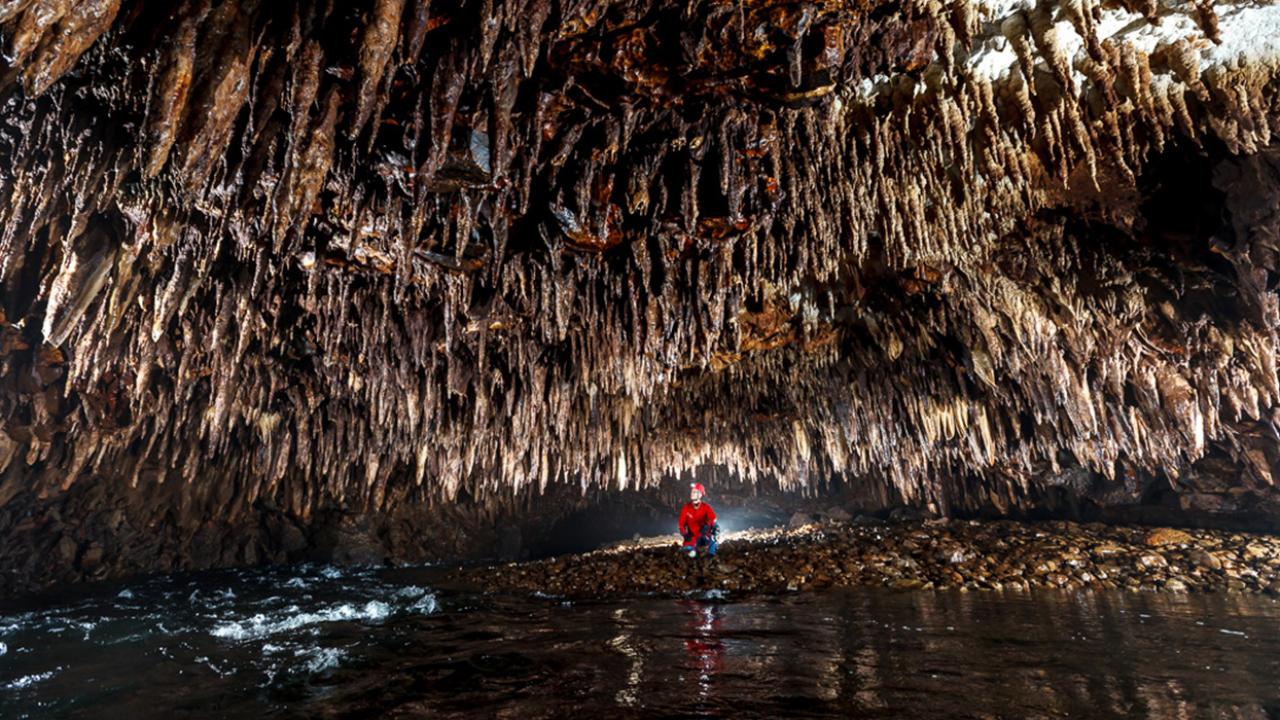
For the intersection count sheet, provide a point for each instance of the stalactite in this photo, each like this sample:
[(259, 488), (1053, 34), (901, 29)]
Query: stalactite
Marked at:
[(385, 253)]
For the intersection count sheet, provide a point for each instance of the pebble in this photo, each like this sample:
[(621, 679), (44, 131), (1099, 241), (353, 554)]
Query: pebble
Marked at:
[(1205, 560), (911, 556), (1152, 560), (1258, 551)]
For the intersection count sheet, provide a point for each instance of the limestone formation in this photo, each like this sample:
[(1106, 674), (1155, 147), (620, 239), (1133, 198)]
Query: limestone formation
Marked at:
[(982, 256)]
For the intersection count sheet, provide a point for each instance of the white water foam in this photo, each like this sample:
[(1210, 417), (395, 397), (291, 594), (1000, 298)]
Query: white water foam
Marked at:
[(87, 627), (424, 602), (319, 659), (410, 591), (425, 605), (27, 681), (260, 626)]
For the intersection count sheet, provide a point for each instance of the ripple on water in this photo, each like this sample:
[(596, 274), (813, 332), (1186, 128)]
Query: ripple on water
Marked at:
[(231, 626), (261, 625), (27, 681), (319, 659)]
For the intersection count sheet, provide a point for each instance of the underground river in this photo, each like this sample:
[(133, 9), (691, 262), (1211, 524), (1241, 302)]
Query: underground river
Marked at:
[(319, 641)]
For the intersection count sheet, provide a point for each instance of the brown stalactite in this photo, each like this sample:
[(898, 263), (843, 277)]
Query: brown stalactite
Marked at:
[(385, 254)]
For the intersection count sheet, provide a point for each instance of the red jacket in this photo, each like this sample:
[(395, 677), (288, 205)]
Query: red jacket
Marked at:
[(693, 521)]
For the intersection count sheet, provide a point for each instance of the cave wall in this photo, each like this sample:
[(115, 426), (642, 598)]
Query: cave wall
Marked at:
[(382, 258)]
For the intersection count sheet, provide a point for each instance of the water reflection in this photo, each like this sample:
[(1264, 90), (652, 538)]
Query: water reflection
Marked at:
[(703, 645), (625, 643), (837, 654)]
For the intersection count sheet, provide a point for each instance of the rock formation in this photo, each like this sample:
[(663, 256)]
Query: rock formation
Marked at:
[(980, 256)]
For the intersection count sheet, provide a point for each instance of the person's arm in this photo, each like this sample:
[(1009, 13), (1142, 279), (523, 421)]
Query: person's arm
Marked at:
[(684, 520), (708, 520)]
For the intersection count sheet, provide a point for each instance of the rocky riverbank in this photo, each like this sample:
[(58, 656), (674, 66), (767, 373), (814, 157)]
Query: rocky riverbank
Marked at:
[(929, 554)]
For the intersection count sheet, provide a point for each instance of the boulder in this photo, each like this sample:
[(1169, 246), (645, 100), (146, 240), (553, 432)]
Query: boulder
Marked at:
[(838, 514), (1167, 536), (800, 519)]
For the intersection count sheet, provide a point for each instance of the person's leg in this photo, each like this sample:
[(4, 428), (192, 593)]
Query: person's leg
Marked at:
[(707, 543)]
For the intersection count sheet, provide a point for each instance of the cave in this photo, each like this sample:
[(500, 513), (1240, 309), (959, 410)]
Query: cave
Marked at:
[(401, 286)]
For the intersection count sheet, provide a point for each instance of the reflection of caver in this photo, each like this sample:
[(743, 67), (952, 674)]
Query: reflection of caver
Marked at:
[(698, 523), (702, 640)]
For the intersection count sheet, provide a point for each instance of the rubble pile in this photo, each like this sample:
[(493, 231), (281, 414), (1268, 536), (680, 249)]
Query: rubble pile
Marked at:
[(940, 555)]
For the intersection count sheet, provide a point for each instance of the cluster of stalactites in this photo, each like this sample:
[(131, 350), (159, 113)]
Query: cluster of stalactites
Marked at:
[(392, 250)]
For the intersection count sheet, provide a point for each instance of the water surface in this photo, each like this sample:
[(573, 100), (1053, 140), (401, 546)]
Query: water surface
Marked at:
[(316, 641)]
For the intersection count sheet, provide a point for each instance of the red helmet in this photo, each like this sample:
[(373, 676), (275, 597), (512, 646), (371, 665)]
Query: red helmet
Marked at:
[(698, 486)]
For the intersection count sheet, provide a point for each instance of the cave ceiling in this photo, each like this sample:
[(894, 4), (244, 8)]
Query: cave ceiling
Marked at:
[(393, 251)]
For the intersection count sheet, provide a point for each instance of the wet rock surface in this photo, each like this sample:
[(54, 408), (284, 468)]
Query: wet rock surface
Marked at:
[(912, 555)]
